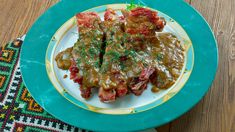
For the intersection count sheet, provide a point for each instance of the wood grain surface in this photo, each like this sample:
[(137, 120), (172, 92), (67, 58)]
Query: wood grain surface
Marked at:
[(17, 16), (216, 112)]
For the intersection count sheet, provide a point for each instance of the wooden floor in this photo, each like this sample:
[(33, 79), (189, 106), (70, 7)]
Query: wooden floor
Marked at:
[(216, 112)]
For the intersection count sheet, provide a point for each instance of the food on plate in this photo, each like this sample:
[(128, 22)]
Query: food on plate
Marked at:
[(170, 60), (63, 59), (113, 82), (87, 50), (122, 54), (140, 28), (142, 21)]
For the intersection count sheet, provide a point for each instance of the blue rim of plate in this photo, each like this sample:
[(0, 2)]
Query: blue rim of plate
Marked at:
[(33, 67)]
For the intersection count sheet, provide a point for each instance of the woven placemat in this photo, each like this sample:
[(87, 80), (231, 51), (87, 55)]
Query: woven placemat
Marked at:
[(18, 110)]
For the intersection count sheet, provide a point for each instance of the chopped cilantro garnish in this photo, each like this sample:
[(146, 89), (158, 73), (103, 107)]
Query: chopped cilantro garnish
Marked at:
[(93, 52), (122, 65), (83, 52), (78, 62), (159, 57), (125, 37), (97, 64), (114, 55)]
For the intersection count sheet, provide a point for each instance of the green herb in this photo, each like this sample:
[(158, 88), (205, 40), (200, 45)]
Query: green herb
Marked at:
[(114, 54), (83, 51), (122, 65), (93, 52), (159, 57), (113, 31), (114, 57), (109, 41), (119, 38), (160, 80), (133, 6), (131, 53), (97, 32), (97, 63), (104, 67), (95, 42), (125, 37), (78, 62)]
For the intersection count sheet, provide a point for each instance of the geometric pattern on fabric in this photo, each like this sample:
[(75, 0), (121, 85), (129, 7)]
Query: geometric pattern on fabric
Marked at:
[(18, 110)]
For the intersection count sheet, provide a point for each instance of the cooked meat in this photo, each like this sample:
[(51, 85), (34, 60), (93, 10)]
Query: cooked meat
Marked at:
[(140, 28), (122, 54), (111, 75), (142, 21), (107, 95), (87, 50)]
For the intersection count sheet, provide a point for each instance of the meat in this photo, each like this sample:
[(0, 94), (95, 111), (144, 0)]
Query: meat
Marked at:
[(138, 85), (111, 76), (74, 73), (140, 28), (107, 95), (122, 54), (142, 21), (89, 20), (162, 50), (87, 50)]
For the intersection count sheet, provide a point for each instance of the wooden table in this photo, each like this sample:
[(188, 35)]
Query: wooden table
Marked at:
[(216, 112)]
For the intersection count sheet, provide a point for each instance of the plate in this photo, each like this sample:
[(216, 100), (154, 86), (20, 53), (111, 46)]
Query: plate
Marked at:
[(55, 30), (67, 35)]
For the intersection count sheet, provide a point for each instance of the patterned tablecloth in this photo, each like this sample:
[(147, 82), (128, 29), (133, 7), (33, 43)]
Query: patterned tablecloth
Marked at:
[(18, 110)]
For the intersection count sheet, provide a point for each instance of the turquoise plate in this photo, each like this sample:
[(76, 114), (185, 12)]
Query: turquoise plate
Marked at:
[(44, 40), (67, 35)]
